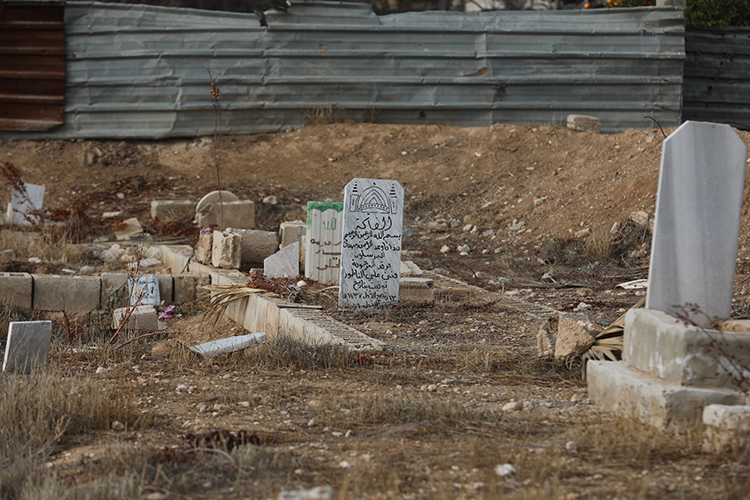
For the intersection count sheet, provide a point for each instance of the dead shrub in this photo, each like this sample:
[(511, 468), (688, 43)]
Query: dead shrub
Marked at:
[(598, 246)]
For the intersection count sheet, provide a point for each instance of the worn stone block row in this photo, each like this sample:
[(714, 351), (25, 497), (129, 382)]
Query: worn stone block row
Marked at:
[(75, 294)]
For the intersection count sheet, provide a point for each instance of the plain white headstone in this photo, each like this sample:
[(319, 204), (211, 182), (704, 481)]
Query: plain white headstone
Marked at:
[(27, 345), (323, 248), (284, 263), (21, 206), (371, 243), (697, 223)]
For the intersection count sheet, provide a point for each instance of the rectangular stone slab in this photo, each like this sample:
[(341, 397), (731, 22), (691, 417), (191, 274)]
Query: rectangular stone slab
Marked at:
[(371, 243), (27, 345), (696, 229), (323, 247), (231, 344)]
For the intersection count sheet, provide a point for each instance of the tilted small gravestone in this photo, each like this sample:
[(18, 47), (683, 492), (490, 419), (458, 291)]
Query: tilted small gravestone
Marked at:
[(27, 345), (371, 243), (26, 208), (284, 263), (697, 223), (323, 247)]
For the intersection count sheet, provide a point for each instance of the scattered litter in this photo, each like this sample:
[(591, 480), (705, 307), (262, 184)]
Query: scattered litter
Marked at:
[(505, 470), (634, 285), (132, 228)]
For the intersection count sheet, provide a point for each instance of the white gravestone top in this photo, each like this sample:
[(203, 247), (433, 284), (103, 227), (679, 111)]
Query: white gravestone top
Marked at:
[(323, 247), (697, 223), (26, 208), (27, 345), (371, 243)]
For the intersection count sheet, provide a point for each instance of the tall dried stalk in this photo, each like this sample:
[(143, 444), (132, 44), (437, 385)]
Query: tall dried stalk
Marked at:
[(216, 103)]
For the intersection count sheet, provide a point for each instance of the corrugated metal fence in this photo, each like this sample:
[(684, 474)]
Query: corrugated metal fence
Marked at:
[(717, 75), (140, 71)]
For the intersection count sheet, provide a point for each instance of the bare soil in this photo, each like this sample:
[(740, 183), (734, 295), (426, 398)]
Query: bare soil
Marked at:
[(424, 417)]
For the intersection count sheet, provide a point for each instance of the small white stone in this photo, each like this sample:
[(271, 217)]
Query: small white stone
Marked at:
[(118, 426), (505, 470), (302, 283), (311, 422), (101, 371), (182, 387), (345, 464), (35, 260), (513, 406), (445, 249), (270, 200), (463, 249), (571, 447)]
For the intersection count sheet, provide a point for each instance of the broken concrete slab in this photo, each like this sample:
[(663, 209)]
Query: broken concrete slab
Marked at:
[(256, 245), (575, 334), (237, 214), (231, 344), (584, 123), (142, 318), (291, 232), (726, 428), (284, 263), (27, 346), (66, 293), (16, 289), (132, 228), (204, 249), (187, 287), (173, 210), (227, 249), (633, 394), (663, 346)]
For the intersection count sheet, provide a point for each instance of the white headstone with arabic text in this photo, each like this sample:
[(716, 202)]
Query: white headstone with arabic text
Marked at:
[(371, 243), (323, 247), (697, 223)]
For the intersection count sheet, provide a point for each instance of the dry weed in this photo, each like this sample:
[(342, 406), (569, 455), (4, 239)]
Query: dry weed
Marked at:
[(598, 246), (286, 352)]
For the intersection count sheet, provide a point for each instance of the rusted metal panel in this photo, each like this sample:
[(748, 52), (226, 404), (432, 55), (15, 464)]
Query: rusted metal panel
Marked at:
[(32, 65)]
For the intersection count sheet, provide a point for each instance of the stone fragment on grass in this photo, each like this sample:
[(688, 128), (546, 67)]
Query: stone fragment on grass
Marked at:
[(575, 334)]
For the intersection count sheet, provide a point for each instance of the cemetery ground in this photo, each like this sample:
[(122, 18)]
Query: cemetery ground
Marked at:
[(458, 391)]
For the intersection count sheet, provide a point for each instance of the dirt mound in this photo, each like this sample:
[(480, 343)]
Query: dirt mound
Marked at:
[(554, 180)]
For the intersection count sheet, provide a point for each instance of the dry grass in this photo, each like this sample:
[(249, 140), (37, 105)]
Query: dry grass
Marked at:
[(39, 410), (32, 244), (286, 352), (598, 246)]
